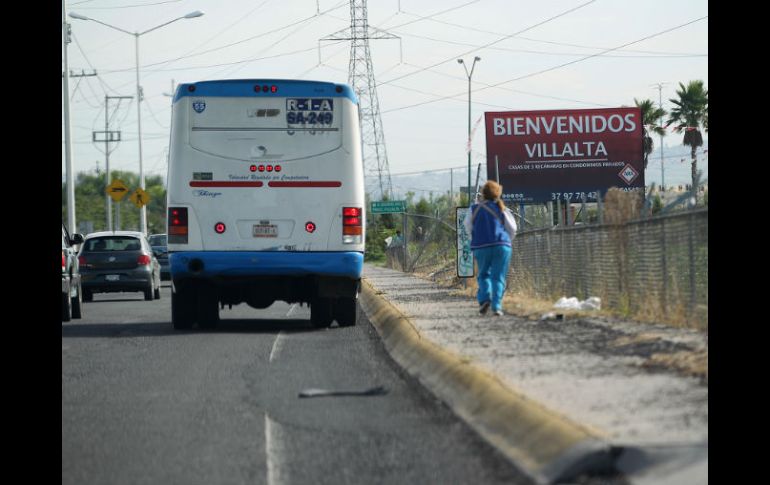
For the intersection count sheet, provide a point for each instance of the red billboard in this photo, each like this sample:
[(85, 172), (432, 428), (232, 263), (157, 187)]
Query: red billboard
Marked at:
[(544, 156)]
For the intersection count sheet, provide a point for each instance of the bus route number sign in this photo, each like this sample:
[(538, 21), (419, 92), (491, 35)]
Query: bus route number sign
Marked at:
[(311, 111)]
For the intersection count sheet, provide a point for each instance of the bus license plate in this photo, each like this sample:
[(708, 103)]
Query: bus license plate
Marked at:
[(265, 230)]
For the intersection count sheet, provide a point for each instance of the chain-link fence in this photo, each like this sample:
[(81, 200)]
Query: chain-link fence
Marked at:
[(654, 268)]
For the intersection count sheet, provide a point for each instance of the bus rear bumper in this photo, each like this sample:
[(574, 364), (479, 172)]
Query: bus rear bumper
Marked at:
[(237, 264)]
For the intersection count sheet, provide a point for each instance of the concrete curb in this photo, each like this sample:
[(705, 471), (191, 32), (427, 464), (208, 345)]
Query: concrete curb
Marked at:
[(542, 443)]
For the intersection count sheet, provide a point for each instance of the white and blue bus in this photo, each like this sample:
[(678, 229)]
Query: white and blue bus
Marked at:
[(265, 199)]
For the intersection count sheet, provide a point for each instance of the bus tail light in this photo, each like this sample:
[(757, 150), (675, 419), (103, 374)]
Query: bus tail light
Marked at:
[(177, 225), (352, 225)]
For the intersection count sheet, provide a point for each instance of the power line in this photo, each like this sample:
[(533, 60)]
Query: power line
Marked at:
[(341, 4), (493, 42), (241, 18), (548, 69), (117, 7), (465, 27), (549, 53)]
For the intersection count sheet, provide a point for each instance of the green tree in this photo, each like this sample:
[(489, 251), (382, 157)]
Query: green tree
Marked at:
[(688, 115), (651, 124), (90, 201)]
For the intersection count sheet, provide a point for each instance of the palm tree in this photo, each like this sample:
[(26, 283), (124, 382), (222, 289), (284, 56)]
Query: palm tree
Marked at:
[(690, 113), (650, 117)]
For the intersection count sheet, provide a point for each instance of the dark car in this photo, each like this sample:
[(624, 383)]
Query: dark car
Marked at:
[(160, 248), (118, 261), (71, 289)]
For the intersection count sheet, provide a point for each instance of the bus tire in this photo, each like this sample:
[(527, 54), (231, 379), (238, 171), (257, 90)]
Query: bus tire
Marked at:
[(208, 306), (345, 312), (182, 309), (321, 313)]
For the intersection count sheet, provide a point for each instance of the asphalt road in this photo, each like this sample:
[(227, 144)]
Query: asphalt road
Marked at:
[(142, 403)]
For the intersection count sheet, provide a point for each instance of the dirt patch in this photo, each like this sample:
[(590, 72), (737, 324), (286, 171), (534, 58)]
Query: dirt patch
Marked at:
[(689, 363)]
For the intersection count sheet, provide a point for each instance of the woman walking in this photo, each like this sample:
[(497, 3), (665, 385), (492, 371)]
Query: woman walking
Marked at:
[(492, 228)]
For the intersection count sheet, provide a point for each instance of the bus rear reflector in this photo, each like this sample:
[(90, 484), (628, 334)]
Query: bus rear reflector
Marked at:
[(177, 225)]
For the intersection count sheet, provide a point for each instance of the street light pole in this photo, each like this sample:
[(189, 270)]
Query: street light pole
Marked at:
[(70, 180), (196, 13), (469, 74), (660, 104)]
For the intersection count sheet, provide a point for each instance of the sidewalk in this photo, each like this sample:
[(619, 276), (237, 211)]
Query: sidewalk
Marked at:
[(564, 396)]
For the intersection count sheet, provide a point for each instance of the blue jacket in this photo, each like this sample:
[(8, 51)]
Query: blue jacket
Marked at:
[(488, 226)]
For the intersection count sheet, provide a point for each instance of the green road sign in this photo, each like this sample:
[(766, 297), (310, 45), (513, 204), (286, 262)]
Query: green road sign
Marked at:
[(388, 206)]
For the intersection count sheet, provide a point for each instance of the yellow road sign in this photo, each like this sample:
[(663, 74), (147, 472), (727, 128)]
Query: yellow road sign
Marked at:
[(140, 198), (117, 190)]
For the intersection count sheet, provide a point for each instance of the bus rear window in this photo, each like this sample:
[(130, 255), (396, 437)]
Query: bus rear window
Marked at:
[(264, 129)]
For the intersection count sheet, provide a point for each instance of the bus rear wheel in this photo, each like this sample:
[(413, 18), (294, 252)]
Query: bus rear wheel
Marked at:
[(182, 308), (208, 306), (345, 312), (321, 313)]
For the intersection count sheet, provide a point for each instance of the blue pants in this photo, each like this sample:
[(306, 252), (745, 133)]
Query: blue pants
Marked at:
[(492, 263)]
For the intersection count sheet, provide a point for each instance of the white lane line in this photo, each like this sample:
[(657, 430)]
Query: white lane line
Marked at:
[(274, 453), (277, 345), (291, 310)]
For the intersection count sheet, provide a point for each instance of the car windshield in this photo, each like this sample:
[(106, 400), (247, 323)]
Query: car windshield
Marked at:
[(158, 240), (113, 243)]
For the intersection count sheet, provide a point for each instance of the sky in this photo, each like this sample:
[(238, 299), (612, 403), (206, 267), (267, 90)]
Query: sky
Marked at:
[(535, 55)]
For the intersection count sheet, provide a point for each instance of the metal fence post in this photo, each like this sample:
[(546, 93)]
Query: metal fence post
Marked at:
[(691, 250), (405, 253), (549, 207), (664, 266), (599, 206)]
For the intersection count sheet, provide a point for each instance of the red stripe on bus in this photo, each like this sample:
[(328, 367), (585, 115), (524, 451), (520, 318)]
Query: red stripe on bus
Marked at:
[(304, 184), (222, 183)]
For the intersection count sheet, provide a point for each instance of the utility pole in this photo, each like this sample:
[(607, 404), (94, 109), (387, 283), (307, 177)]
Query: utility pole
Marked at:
[(660, 104), (469, 75), (109, 136), (70, 180)]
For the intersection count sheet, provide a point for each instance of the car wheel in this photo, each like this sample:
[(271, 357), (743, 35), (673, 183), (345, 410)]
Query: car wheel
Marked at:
[(156, 294), (77, 302), (88, 295), (66, 307), (345, 312), (182, 308), (148, 293)]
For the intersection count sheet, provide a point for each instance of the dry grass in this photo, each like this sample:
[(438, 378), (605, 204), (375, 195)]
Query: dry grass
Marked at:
[(527, 303), (621, 206), (690, 363)]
